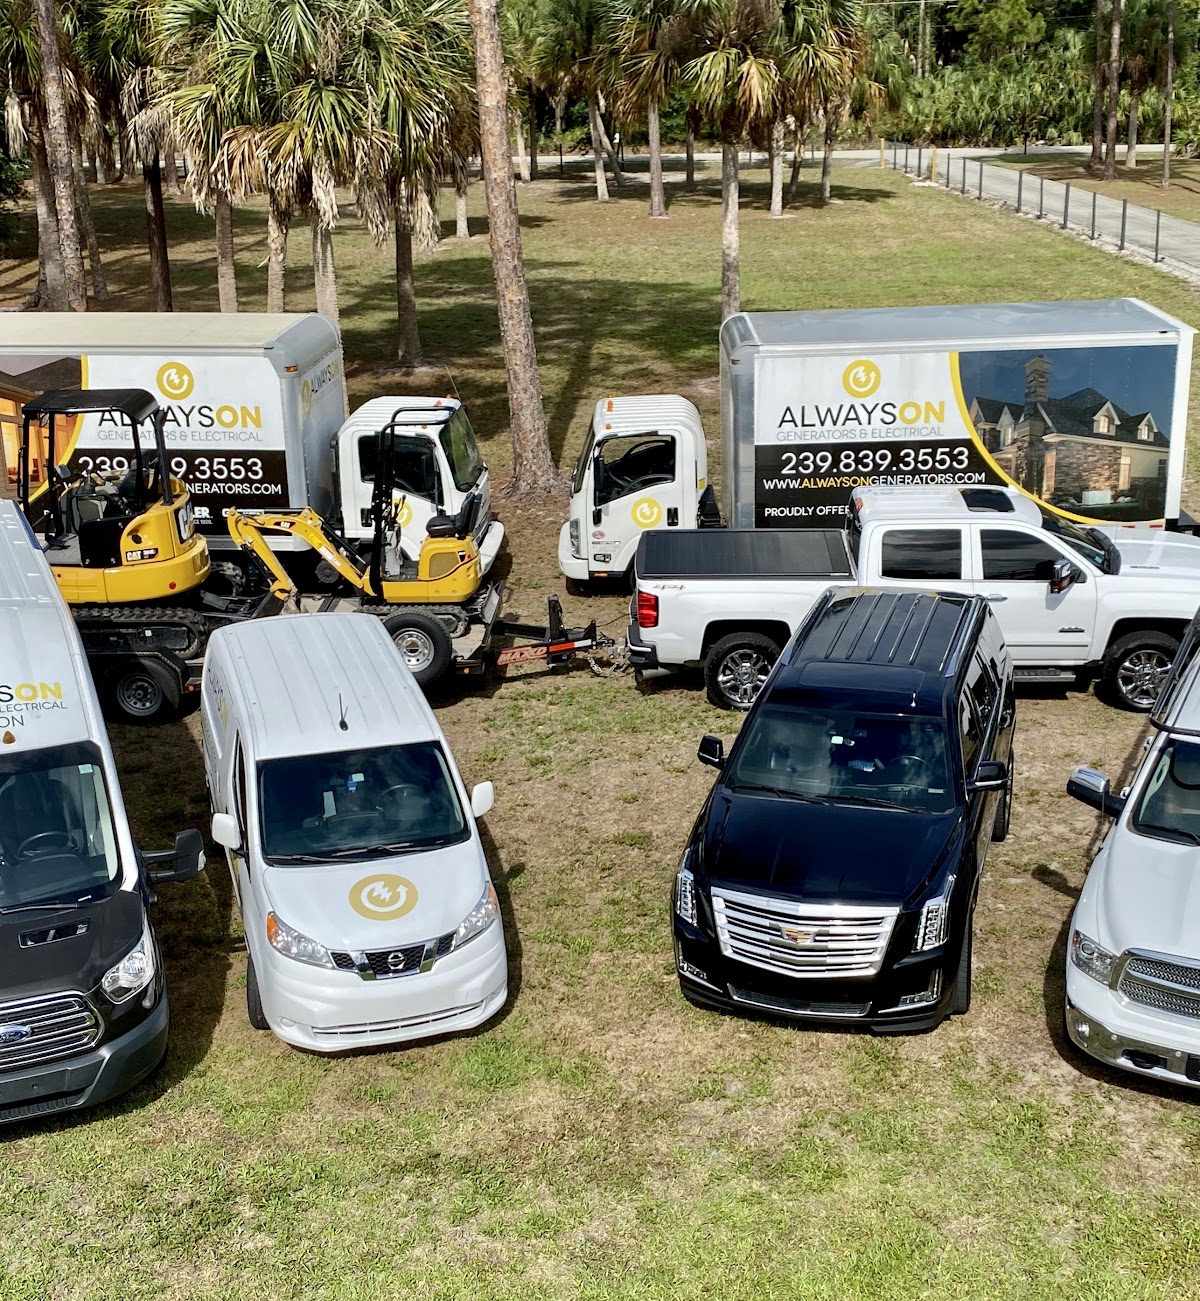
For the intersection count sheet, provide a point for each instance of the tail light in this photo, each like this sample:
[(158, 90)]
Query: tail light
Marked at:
[(647, 610)]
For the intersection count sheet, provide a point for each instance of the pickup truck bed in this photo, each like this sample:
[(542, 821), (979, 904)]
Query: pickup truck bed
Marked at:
[(755, 553)]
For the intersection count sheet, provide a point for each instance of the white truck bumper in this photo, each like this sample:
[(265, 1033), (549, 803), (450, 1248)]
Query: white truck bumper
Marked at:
[(570, 565), (1108, 1027)]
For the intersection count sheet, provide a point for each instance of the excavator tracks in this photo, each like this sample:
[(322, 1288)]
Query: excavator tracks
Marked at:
[(141, 629)]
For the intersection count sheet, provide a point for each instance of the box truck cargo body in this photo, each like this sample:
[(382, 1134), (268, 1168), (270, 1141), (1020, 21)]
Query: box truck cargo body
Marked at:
[(1081, 405), (253, 400)]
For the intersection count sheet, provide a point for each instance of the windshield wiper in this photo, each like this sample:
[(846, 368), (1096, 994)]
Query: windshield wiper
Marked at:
[(780, 793), (871, 802), (1191, 837), (303, 858), (60, 905)]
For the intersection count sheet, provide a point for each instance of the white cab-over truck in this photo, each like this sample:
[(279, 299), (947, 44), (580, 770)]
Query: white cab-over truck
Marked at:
[(1074, 603), (255, 419), (1133, 964)]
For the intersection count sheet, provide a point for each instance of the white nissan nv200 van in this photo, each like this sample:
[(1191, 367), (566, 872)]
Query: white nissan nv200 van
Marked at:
[(369, 913)]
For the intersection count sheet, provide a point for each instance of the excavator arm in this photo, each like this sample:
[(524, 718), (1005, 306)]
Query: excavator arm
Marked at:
[(247, 532)]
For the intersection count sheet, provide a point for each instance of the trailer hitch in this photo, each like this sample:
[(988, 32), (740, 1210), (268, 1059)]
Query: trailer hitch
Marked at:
[(553, 642)]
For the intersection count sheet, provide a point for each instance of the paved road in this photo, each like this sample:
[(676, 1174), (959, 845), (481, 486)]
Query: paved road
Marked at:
[(1173, 241)]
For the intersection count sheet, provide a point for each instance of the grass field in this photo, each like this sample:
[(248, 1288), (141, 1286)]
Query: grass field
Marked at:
[(603, 1139), (1142, 184)]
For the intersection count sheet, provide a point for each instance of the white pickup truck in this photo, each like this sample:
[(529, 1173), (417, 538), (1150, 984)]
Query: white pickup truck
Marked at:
[(1075, 603)]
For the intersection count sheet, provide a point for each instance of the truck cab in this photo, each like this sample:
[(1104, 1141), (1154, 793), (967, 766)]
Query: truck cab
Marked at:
[(644, 466), (437, 464)]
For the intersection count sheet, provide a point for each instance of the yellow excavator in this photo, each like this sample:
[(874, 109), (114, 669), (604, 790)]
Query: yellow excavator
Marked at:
[(123, 537)]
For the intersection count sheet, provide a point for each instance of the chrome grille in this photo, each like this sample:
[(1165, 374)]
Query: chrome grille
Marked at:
[(802, 939), (796, 1006), (60, 1025), (386, 964), (1160, 981)]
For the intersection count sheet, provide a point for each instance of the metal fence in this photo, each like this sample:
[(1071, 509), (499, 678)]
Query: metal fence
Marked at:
[(1115, 222)]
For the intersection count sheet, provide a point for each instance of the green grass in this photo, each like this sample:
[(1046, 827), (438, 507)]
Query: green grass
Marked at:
[(602, 1139)]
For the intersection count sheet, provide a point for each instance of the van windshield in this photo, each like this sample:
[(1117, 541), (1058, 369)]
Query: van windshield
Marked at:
[(396, 799), (843, 756), (57, 842)]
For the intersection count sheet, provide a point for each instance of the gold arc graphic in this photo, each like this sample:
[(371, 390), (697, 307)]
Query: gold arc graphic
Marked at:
[(383, 897), (175, 381), (870, 379), (646, 512)]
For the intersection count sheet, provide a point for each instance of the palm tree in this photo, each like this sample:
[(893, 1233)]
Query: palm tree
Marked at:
[(1113, 74), (1168, 95), (519, 21), (1143, 60), (735, 81)]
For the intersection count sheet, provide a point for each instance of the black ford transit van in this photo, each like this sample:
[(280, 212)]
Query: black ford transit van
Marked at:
[(832, 873), (83, 1006)]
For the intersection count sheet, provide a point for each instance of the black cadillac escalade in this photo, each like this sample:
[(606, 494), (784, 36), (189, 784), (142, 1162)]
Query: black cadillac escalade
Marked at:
[(832, 873)]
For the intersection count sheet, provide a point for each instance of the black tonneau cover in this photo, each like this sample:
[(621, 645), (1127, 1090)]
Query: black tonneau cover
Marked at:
[(743, 553)]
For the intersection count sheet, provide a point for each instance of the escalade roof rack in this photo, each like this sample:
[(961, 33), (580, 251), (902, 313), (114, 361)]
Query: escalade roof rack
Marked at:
[(1176, 710)]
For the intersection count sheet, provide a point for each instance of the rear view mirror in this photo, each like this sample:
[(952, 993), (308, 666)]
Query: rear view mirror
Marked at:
[(483, 797), (1062, 576), (1093, 789), (711, 752), (225, 831), (991, 775), (182, 863)]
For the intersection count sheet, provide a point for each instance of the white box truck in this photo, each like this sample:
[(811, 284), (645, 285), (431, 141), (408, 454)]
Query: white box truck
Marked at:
[(256, 418), (1080, 405)]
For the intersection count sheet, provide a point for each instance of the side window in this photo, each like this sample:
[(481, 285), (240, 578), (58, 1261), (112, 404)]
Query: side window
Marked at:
[(922, 553), (982, 689), (414, 468), (969, 731), (1009, 556), (633, 463)]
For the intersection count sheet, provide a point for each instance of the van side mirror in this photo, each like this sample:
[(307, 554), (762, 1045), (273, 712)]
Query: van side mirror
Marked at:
[(483, 797), (991, 775), (1062, 576), (182, 863), (1094, 789), (711, 751), (225, 831)]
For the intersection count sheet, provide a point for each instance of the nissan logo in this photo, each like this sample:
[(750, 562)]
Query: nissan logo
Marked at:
[(14, 1034), (395, 961)]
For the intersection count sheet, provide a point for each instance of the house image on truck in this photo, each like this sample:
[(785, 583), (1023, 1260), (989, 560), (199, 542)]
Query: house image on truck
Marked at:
[(1080, 450)]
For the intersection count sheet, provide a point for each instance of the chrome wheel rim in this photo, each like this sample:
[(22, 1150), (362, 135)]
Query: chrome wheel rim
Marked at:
[(138, 694), (415, 647), (741, 675), (1141, 676)]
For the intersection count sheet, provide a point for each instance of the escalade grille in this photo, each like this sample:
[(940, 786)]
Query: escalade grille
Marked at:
[(42, 1029), (1160, 983), (799, 939)]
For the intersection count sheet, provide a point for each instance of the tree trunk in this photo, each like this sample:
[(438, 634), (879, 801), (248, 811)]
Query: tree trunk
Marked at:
[(658, 197), (57, 142), (560, 107), (83, 205), (1132, 139), (533, 133), (103, 159), (1114, 90), (1168, 91), (278, 221), (1096, 161), (776, 152), (597, 156), (607, 145), (156, 235), (522, 157), (831, 119), (533, 463), (171, 170), (731, 291), (226, 270), (324, 273), (462, 227), (921, 68), (689, 145), (51, 292), (408, 333)]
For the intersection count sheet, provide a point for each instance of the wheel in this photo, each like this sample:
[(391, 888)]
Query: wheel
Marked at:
[(141, 691), (1136, 667), (961, 1003), (254, 1007), (1004, 810), (736, 668), (423, 643)]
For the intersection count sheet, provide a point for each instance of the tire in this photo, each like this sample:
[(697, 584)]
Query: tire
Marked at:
[(1004, 811), (423, 643), (254, 1007), (1135, 669), (736, 667), (960, 1004), (141, 691)]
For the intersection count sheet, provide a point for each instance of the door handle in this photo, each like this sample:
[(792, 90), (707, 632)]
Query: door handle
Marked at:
[(995, 596), (672, 517)]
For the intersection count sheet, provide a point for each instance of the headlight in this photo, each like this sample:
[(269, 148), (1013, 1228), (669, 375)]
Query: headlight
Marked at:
[(133, 973), (575, 540), (478, 919), (934, 924), (685, 890), (1090, 958), (284, 939)]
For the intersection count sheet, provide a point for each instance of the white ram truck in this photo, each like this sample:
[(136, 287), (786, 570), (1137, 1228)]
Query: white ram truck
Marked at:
[(1133, 959), (1075, 603)]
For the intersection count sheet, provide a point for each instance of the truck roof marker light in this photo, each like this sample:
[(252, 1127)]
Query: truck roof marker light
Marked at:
[(608, 406), (291, 370), (8, 738), (607, 427)]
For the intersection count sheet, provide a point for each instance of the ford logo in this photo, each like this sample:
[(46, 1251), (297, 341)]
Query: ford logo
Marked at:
[(14, 1034)]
